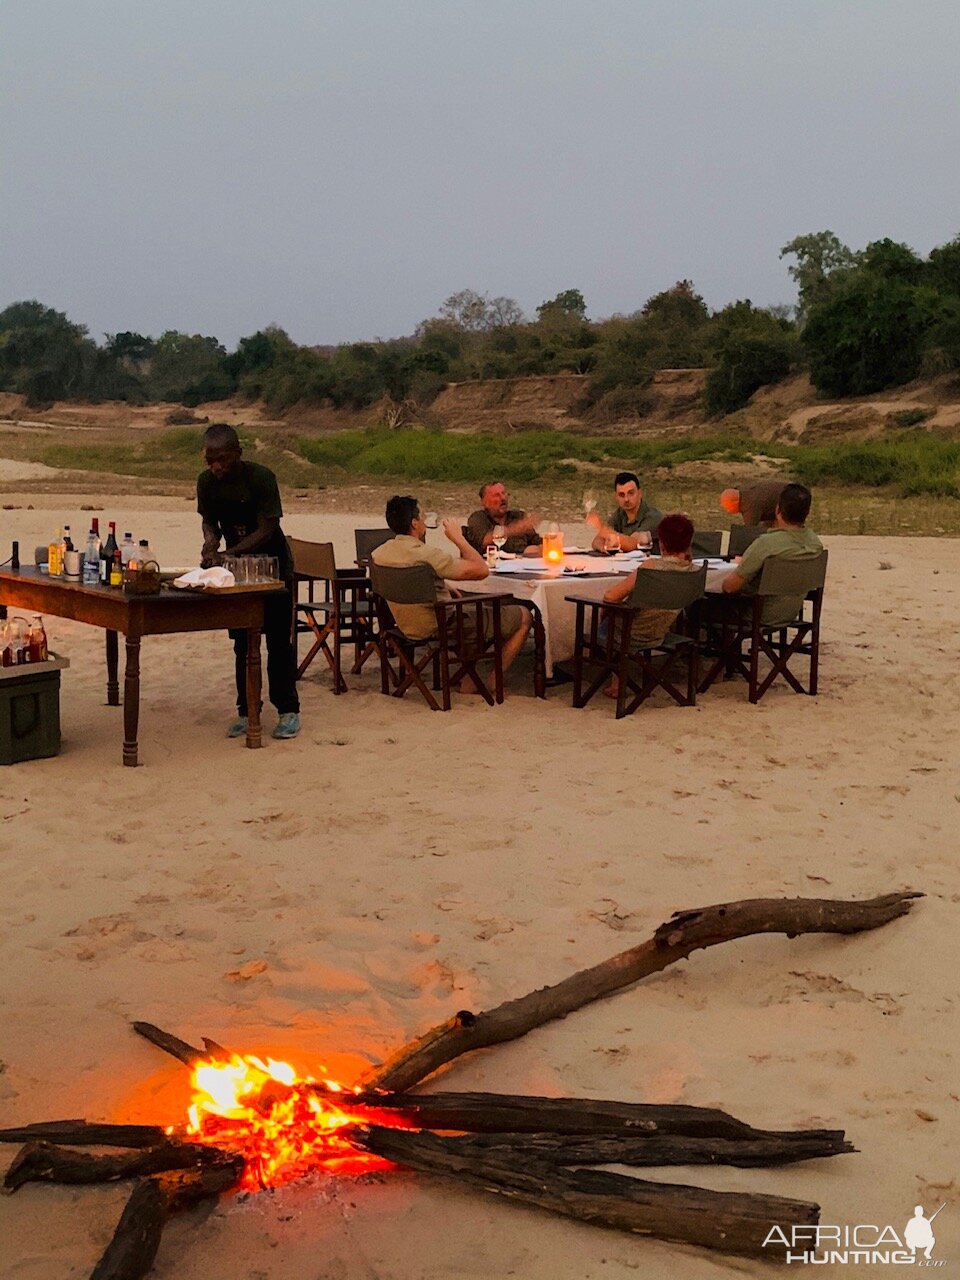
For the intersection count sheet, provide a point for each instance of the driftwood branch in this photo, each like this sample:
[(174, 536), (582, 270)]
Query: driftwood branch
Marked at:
[(727, 1221), (135, 1242), (130, 1253), (646, 1151), (81, 1133), (677, 938), (188, 1054), (520, 1113), (45, 1162)]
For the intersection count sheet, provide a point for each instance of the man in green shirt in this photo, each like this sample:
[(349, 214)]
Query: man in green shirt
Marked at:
[(634, 522), (787, 540), (239, 504)]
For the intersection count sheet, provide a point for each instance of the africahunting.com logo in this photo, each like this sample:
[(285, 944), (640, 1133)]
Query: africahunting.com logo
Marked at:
[(826, 1243)]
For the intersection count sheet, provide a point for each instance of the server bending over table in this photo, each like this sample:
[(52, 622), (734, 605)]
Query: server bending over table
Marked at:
[(239, 503)]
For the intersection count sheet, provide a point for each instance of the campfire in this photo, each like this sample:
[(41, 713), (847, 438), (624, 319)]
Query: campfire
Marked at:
[(255, 1123)]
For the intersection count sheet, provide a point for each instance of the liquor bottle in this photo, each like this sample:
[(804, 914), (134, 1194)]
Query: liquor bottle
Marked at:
[(54, 563), (144, 553), (66, 542), (91, 560), (116, 569), (128, 549), (106, 555), (36, 644)]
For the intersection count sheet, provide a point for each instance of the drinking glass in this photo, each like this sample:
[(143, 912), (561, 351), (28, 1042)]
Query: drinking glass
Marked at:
[(273, 568), (589, 502), (613, 544), (230, 564), (241, 573), (499, 538), (430, 520)]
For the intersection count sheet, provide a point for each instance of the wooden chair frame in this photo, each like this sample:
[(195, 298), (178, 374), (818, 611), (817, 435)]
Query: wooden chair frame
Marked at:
[(738, 620), (344, 612), (453, 651), (640, 669)]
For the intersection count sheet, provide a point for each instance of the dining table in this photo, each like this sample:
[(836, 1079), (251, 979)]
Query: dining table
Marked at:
[(585, 573), (136, 616)]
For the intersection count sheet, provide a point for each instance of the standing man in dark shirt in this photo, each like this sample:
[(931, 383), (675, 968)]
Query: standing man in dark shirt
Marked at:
[(239, 503)]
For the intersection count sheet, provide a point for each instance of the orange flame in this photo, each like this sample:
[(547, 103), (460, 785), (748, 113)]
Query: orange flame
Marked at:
[(283, 1125)]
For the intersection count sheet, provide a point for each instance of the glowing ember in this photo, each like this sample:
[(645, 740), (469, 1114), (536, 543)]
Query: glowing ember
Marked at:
[(284, 1126)]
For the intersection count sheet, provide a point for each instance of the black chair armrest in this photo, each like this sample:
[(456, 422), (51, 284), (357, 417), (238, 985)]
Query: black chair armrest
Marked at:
[(601, 604)]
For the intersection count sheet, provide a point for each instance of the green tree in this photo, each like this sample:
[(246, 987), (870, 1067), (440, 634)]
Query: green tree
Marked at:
[(189, 368), (751, 348), (569, 304), (870, 334), (821, 260), (42, 354)]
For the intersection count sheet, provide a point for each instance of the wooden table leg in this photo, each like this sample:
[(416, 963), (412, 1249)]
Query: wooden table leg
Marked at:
[(131, 701), (113, 683), (254, 683)]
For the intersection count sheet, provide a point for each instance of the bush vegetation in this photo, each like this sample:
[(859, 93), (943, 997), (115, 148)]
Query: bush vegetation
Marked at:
[(865, 320)]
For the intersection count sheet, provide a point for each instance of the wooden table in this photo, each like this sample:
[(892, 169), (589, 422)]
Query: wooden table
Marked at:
[(137, 616)]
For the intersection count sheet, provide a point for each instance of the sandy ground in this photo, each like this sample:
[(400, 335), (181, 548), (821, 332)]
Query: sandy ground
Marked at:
[(327, 898)]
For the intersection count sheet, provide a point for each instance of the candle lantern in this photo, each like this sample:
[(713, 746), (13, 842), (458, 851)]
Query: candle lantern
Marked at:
[(552, 546)]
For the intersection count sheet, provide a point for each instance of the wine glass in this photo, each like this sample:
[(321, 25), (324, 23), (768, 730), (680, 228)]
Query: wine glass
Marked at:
[(589, 502), (499, 538), (612, 546)]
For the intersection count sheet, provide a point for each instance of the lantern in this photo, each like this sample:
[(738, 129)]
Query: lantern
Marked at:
[(552, 547)]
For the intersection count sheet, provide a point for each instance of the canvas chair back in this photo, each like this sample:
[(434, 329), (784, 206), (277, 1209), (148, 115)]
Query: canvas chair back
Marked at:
[(667, 589), (416, 584), (741, 535), (782, 576), (368, 540), (313, 559), (707, 542)]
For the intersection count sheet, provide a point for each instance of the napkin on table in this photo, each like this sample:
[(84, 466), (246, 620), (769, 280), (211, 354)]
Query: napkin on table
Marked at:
[(215, 577)]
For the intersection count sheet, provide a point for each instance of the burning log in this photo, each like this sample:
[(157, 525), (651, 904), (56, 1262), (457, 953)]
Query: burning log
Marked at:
[(45, 1162), (731, 1222), (130, 1253), (684, 933)]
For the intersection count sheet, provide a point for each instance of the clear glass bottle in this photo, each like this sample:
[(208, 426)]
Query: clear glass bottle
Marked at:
[(128, 549), (91, 560)]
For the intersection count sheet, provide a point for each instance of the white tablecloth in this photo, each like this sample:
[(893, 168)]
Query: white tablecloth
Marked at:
[(549, 594)]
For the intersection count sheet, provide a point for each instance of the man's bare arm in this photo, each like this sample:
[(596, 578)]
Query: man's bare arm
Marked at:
[(211, 543)]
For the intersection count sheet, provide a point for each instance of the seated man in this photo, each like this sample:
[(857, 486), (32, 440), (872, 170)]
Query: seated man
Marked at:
[(408, 547), (634, 521), (755, 503), (788, 539), (675, 533), (519, 529)]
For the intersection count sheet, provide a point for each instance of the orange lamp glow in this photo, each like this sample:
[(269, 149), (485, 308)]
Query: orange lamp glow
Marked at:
[(552, 547)]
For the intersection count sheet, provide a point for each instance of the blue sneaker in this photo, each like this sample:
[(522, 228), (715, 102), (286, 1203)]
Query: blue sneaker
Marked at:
[(288, 726), (239, 728)]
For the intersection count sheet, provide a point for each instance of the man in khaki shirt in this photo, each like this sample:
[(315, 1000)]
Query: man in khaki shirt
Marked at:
[(409, 547)]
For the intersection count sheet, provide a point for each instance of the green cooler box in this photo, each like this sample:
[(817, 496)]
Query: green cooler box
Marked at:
[(30, 710)]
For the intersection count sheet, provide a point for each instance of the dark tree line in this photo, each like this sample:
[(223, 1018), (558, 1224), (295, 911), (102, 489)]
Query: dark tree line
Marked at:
[(865, 320)]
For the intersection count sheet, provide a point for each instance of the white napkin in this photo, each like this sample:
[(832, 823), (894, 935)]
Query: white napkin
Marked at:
[(215, 577)]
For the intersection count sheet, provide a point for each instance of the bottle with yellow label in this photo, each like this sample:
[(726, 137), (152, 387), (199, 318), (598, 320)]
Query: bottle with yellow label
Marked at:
[(116, 569), (54, 563)]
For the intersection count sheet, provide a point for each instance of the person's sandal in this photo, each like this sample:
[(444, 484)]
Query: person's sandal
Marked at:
[(288, 726), (238, 729)]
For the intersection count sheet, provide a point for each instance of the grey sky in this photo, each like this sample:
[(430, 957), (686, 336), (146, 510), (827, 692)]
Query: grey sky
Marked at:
[(340, 168)]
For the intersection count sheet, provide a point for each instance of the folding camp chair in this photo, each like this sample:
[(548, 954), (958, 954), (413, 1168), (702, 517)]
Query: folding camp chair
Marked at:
[(741, 535), (367, 541), (640, 668), (461, 640), (780, 643), (707, 542), (341, 613)]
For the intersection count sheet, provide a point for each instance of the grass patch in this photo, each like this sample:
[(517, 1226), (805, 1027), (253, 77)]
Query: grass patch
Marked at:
[(174, 455), (912, 465), (530, 455)]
